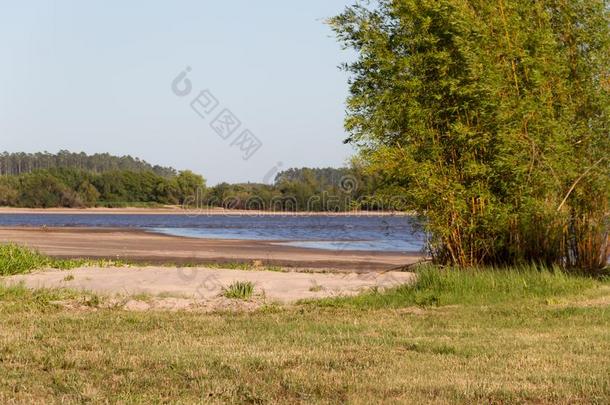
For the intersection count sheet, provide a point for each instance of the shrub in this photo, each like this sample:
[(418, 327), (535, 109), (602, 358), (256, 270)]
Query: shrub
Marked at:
[(491, 120)]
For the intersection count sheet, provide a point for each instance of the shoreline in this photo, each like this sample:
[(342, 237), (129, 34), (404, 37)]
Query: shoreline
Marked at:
[(189, 212), (140, 246)]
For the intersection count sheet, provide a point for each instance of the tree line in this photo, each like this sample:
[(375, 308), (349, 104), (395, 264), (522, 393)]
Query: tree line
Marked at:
[(73, 188), (301, 189), (14, 164), (67, 179)]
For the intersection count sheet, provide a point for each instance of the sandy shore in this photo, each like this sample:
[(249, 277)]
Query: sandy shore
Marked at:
[(143, 247), (175, 210), (205, 285)]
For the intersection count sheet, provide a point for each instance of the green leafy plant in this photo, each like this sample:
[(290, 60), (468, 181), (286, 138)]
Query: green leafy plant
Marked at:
[(242, 290)]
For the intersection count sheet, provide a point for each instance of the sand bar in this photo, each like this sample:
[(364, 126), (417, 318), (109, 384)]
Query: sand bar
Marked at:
[(145, 247)]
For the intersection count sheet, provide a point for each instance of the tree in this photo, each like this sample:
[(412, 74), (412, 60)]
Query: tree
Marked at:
[(189, 185), (491, 119), (88, 193), (8, 194)]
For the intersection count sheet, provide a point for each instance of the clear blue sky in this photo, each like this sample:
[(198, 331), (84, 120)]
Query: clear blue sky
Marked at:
[(95, 76)]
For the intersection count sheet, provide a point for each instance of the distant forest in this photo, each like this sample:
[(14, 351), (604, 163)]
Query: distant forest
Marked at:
[(14, 164), (44, 180), (65, 179), (302, 189)]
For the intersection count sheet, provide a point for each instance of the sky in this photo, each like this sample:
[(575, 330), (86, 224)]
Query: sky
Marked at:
[(98, 76)]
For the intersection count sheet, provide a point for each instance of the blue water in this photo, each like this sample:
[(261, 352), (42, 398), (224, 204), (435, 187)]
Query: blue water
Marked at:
[(371, 233)]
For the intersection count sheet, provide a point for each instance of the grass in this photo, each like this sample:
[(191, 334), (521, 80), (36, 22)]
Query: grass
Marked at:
[(436, 287), (16, 259), (241, 290), (232, 265), (316, 288), (255, 265), (501, 336)]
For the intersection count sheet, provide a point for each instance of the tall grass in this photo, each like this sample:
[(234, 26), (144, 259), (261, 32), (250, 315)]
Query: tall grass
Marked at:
[(575, 240), (586, 240), (15, 259), (437, 287)]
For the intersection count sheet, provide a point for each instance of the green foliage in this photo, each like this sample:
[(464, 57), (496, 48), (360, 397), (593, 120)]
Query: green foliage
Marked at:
[(302, 189), (187, 185), (88, 193), (241, 290), (249, 196), (325, 176), (69, 187), (44, 190), (8, 193), (439, 287), (15, 259), (491, 120), (43, 180)]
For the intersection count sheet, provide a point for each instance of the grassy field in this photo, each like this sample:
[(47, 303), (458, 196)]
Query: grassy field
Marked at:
[(501, 336)]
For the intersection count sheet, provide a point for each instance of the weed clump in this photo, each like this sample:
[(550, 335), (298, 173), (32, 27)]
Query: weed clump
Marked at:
[(241, 290)]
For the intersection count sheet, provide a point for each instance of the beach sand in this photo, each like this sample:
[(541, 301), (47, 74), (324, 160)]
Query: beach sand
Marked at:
[(203, 287)]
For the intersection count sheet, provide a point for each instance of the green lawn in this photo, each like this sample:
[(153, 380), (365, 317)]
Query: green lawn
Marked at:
[(496, 337)]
